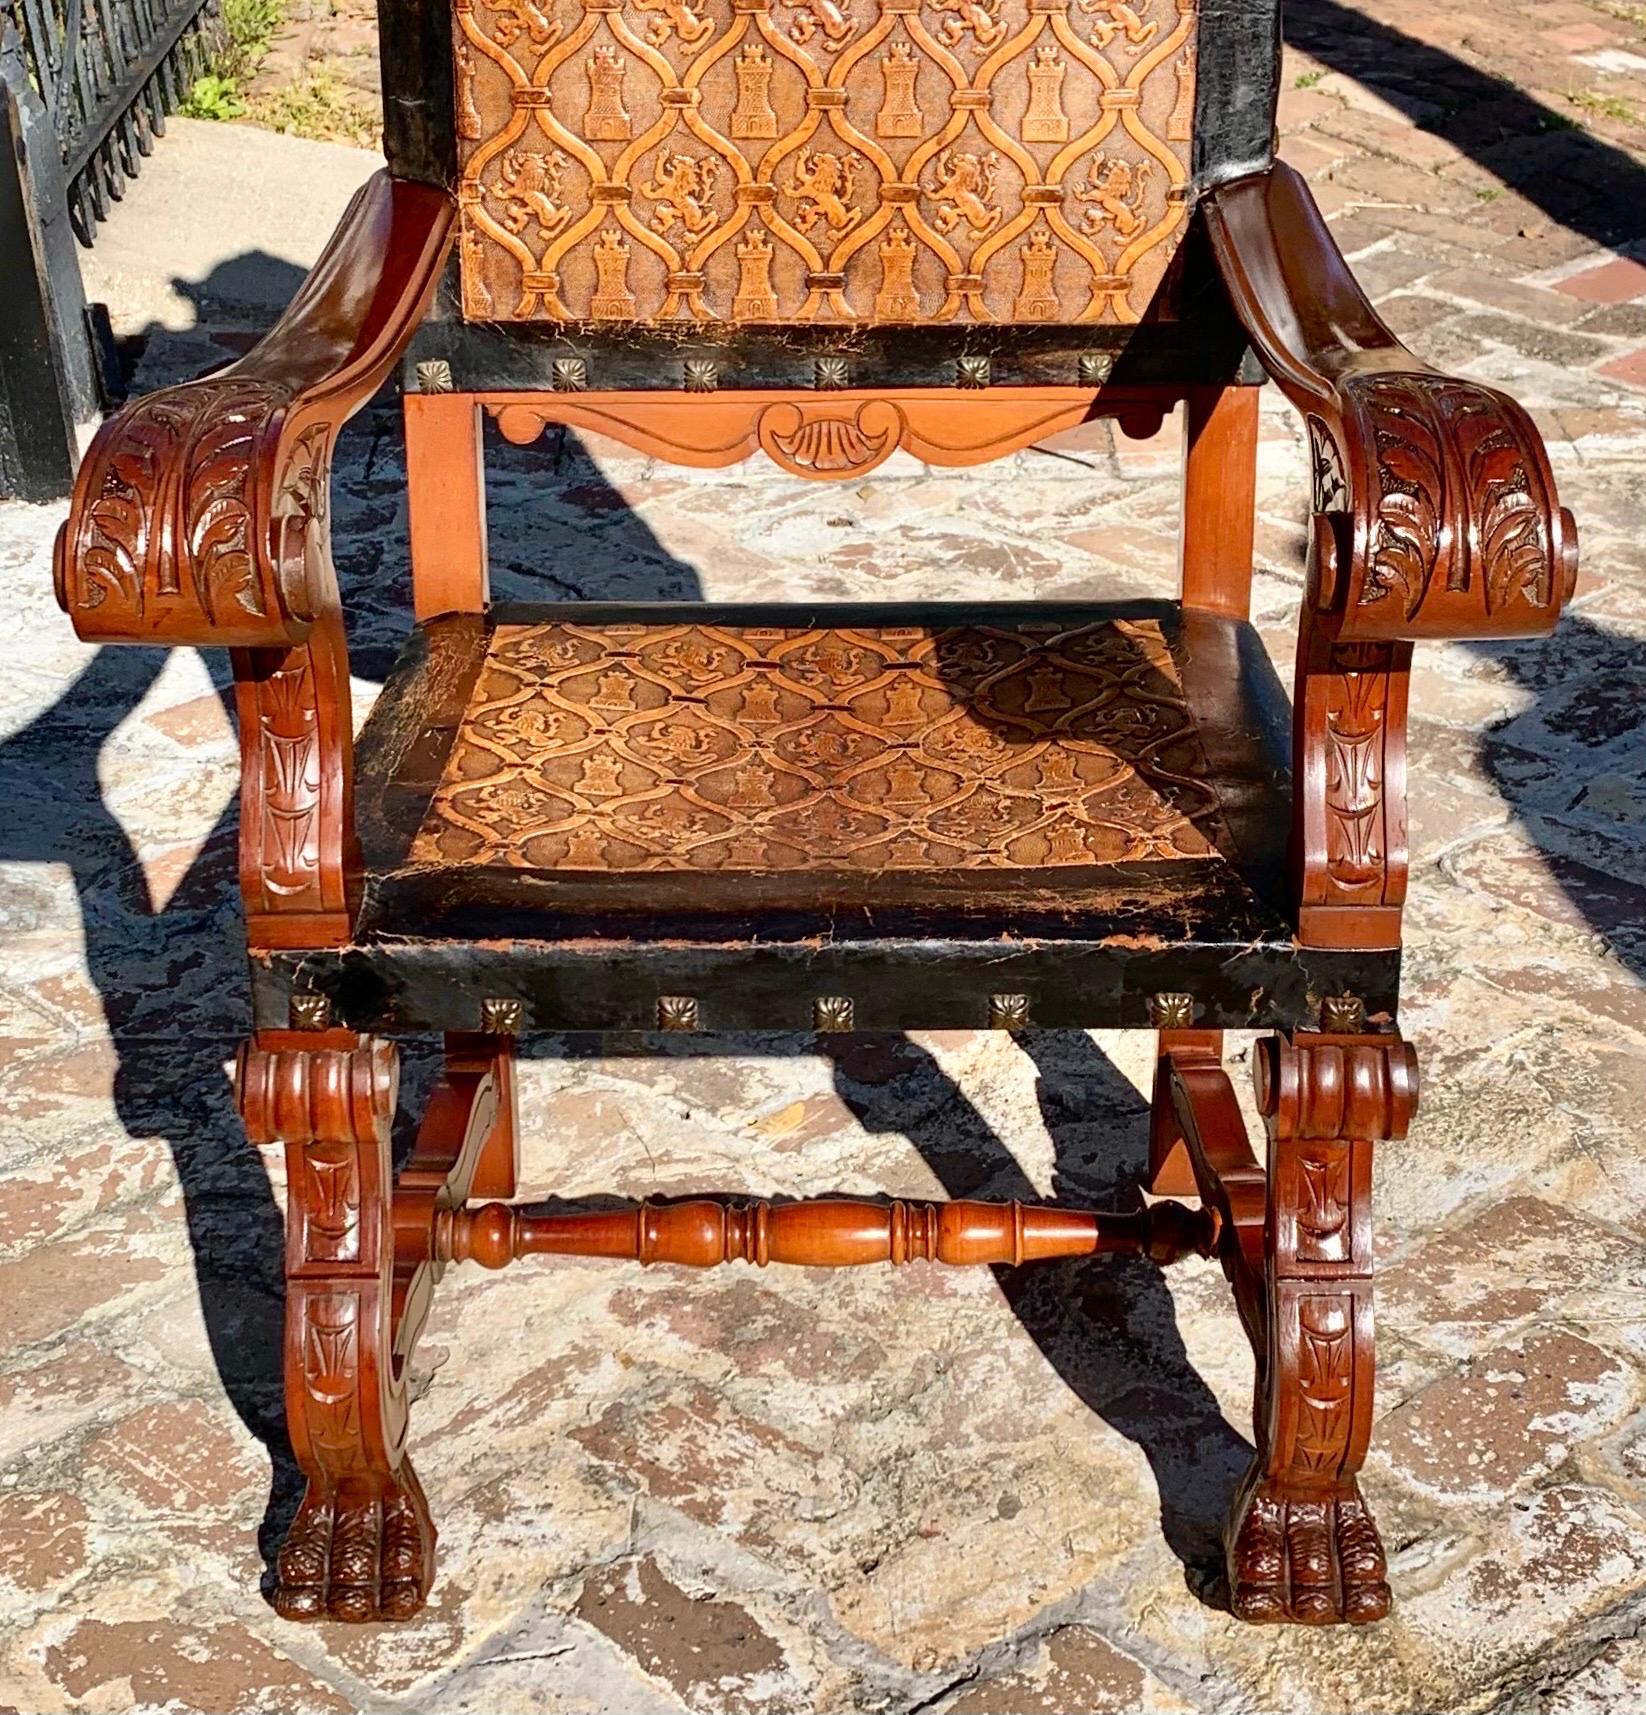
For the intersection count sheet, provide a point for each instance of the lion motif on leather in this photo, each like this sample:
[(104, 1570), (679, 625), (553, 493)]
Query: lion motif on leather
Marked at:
[(682, 185), (1118, 18), (965, 192), (979, 19), (513, 16), (834, 20), (531, 182), (824, 184), (1116, 197), (676, 18)]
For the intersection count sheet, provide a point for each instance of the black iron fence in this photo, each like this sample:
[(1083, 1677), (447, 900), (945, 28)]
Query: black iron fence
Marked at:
[(85, 87), (108, 72)]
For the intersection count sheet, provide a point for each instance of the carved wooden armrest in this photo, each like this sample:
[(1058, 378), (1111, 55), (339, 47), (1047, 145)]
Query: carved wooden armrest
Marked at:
[(1435, 513), (200, 512)]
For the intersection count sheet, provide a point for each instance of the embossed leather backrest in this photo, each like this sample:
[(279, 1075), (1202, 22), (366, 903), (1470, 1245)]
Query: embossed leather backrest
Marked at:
[(849, 161)]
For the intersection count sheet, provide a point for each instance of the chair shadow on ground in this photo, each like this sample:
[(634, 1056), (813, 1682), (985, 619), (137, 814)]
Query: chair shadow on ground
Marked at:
[(1108, 1327), (1572, 771), (1584, 183), (169, 1070)]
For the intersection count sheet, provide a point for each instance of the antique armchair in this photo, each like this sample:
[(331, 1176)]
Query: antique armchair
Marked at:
[(824, 230)]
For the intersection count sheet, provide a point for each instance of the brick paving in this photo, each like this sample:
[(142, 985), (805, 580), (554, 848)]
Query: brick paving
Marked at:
[(857, 1492)]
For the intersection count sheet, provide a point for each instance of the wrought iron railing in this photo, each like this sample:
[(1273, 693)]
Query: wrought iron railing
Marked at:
[(108, 72), (85, 87)]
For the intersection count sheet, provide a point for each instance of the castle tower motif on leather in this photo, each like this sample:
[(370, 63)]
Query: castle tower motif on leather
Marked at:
[(1045, 121), (753, 117), (1037, 301), (755, 300), (899, 114), (470, 126), (606, 121), (612, 300), (1180, 127), (897, 300), (837, 122)]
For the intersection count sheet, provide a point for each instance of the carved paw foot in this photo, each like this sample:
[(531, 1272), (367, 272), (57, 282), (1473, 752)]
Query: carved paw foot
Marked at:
[(357, 1558), (1305, 1559)]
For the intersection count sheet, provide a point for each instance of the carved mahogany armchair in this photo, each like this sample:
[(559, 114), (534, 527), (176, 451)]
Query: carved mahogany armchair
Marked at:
[(824, 230)]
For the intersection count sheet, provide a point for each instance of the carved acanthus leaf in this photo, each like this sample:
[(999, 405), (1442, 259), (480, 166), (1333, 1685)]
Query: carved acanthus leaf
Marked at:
[(170, 538), (1461, 536)]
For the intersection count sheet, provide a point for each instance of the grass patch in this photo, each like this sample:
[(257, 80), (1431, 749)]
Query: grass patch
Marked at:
[(249, 28), (318, 106), (1601, 105), (1629, 14), (1308, 79)]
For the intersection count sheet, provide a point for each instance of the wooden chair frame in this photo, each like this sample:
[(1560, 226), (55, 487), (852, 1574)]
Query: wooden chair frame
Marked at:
[(200, 519)]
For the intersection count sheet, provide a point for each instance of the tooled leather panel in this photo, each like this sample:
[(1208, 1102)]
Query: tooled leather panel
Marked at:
[(724, 748), (760, 161)]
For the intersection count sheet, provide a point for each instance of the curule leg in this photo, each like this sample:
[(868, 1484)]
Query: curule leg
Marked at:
[(361, 1546), (1302, 1546), (467, 1146), (1171, 1168)]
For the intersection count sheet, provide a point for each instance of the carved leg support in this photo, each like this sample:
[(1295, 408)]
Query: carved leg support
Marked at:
[(1302, 1546), (1349, 814), (361, 1546), (1171, 1171)]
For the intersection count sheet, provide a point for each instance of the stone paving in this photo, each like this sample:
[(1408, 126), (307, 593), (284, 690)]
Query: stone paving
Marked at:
[(934, 1491), (320, 76)]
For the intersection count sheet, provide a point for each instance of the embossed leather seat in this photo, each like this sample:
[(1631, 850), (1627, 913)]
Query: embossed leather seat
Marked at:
[(821, 230), (1029, 779)]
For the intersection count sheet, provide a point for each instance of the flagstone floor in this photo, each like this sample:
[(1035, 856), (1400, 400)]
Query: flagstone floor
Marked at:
[(928, 1491)]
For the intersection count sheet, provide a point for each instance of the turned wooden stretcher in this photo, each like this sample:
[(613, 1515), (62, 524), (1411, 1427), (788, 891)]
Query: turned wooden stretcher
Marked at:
[(824, 230)]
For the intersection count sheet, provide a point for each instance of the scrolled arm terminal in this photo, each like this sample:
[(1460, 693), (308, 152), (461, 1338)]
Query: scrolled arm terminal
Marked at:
[(200, 515), (1435, 511)]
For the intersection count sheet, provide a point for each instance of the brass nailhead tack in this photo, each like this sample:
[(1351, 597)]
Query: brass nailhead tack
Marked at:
[(1008, 1012), (1171, 1011), (677, 1012), (832, 1012)]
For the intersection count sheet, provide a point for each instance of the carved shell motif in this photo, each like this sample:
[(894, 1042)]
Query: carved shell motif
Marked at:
[(813, 444)]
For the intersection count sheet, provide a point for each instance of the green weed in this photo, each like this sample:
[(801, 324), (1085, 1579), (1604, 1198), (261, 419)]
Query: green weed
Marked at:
[(248, 30), (1605, 106), (213, 97), (317, 105)]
